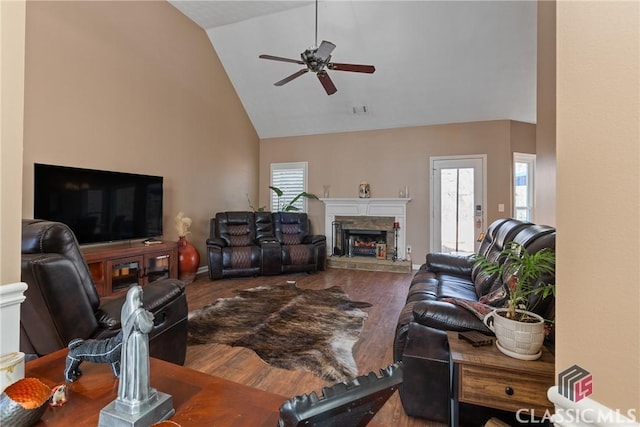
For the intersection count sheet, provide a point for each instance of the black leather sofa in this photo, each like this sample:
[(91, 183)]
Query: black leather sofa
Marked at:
[(244, 243), (62, 303), (421, 342)]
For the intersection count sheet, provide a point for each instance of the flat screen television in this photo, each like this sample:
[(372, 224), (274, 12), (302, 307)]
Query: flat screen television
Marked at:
[(99, 206)]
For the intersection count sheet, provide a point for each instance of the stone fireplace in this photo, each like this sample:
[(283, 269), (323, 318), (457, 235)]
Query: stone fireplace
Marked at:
[(362, 235), (355, 227)]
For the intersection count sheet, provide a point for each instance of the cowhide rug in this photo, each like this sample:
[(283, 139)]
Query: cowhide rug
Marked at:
[(288, 327)]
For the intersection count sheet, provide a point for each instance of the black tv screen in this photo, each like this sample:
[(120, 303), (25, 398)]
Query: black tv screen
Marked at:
[(99, 206)]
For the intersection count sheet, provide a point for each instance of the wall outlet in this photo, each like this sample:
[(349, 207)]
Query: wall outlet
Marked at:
[(408, 249)]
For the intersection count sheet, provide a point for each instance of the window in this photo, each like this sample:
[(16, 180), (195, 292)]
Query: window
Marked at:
[(291, 178), (524, 166)]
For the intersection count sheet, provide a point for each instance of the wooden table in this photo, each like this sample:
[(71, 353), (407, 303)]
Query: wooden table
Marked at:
[(486, 377), (198, 399)]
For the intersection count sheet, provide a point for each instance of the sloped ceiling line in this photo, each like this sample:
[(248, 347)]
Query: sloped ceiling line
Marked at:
[(436, 61)]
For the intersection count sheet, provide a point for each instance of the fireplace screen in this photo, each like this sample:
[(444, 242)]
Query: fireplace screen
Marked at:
[(364, 242), (353, 242), (362, 236)]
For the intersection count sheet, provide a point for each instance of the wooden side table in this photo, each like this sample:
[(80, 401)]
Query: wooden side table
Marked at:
[(486, 377)]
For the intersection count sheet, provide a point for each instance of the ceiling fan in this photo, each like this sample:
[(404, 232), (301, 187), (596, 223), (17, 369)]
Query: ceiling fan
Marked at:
[(318, 60)]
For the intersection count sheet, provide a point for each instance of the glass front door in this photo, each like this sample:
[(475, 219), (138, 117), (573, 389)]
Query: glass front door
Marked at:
[(457, 203)]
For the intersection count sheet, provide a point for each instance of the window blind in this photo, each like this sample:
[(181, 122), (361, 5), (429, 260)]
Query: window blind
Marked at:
[(290, 178)]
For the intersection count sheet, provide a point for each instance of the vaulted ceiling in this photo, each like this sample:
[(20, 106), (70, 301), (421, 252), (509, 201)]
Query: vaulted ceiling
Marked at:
[(436, 61)]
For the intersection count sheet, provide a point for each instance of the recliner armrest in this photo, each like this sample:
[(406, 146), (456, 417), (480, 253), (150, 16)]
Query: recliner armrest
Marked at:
[(216, 241), (155, 295), (446, 316), (448, 263), (109, 313), (318, 238)]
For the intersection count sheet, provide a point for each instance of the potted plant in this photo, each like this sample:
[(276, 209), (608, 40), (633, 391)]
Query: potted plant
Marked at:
[(284, 206), (519, 331)]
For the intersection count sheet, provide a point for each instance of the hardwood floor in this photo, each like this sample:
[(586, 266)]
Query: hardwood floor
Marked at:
[(374, 349)]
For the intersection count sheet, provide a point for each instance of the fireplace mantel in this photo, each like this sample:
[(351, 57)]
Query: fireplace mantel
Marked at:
[(393, 207)]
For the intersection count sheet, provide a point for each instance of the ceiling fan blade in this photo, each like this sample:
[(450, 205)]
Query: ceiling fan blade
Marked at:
[(324, 50), (352, 67), (279, 58), (291, 77), (328, 85)]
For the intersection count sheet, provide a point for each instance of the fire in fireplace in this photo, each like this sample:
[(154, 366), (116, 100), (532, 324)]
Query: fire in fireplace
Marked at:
[(357, 242), (363, 242)]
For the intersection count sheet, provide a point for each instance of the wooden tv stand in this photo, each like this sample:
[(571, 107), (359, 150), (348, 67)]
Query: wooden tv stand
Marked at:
[(116, 267)]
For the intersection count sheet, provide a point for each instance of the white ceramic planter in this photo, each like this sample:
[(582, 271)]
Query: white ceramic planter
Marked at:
[(521, 340), (11, 368)]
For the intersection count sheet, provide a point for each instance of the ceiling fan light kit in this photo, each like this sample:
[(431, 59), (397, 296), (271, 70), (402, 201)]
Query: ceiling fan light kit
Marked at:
[(317, 59)]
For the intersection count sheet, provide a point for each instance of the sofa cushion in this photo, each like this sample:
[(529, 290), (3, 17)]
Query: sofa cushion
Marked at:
[(291, 234), (298, 254), (424, 287), (239, 235), (264, 226), (445, 316), (456, 287), (241, 257), (500, 233), (482, 280), (236, 228)]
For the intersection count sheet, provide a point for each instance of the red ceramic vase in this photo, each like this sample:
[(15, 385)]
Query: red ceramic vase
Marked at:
[(188, 260)]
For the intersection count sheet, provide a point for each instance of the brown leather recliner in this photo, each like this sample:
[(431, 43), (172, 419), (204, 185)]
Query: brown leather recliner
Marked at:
[(62, 302), (299, 251), (244, 243), (232, 248)]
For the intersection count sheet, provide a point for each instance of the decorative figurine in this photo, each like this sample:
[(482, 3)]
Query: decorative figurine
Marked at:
[(59, 395), (137, 404), (364, 190), (96, 351), (136, 324)]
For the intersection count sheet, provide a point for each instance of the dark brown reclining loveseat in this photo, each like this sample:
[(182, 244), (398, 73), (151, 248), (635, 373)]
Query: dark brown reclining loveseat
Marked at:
[(243, 243), (62, 303), (421, 341)]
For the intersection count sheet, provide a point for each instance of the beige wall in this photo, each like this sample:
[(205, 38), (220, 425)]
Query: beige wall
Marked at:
[(598, 247), (137, 87), (545, 212), (12, 23), (390, 159)]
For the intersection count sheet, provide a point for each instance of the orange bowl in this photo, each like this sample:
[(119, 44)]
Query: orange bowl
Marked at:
[(23, 402)]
